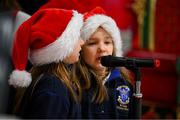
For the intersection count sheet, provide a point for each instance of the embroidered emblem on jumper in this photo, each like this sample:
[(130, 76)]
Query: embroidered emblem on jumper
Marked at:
[(123, 97)]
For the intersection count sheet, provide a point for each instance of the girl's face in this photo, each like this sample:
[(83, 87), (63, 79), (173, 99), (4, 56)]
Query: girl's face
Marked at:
[(74, 56), (99, 44)]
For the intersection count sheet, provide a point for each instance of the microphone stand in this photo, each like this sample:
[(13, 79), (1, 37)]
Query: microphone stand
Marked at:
[(137, 93)]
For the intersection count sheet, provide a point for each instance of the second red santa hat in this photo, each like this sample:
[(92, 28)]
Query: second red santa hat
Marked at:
[(96, 18)]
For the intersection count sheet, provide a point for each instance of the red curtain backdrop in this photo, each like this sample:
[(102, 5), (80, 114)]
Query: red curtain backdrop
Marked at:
[(167, 26)]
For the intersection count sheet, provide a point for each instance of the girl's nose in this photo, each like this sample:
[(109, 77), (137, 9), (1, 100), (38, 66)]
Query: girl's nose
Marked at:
[(101, 48)]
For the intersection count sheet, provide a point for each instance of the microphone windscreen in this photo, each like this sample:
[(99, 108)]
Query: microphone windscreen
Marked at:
[(105, 60)]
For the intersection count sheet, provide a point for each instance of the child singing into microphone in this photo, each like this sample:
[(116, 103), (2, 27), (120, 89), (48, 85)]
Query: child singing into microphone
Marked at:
[(107, 92)]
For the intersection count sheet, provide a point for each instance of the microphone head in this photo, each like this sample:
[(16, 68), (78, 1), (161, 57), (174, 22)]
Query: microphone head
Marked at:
[(105, 60), (111, 61)]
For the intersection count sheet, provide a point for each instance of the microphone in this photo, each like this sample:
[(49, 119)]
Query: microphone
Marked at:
[(111, 61)]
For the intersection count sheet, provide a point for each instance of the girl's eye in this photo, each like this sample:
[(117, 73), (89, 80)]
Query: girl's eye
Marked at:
[(108, 42), (91, 43)]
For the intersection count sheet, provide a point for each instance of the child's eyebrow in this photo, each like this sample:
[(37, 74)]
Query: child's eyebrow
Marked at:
[(90, 39)]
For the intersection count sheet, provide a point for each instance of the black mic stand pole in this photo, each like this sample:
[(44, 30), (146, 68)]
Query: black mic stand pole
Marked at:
[(137, 93)]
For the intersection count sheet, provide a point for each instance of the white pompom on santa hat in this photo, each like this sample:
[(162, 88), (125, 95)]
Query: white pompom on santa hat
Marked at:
[(96, 18), (48, 36)]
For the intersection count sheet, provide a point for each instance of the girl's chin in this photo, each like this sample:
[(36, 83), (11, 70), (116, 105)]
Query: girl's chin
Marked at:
[(100, 67)]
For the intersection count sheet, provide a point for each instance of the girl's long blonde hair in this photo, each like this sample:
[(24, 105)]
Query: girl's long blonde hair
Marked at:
[(58, 69)]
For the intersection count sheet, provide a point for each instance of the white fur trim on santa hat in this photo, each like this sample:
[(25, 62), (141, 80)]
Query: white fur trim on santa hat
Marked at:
[(20, 78), (63, 46), (92, 23)]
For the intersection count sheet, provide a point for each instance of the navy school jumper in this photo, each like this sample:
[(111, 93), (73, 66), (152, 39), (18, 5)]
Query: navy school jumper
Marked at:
[(50, 99), (119, 104)]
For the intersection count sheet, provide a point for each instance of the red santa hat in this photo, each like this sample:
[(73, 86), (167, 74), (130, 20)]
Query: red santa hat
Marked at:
[(48, 36), (96, 18)]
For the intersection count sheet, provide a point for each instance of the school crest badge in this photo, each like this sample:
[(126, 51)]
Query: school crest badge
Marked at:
[(123, 97)]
